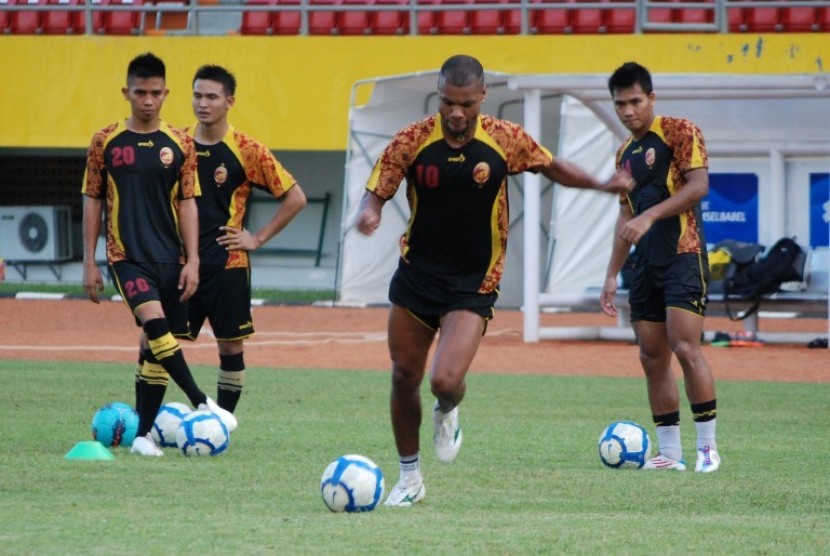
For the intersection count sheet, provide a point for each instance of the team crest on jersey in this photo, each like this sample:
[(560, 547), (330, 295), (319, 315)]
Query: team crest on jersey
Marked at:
[(481, 173), (166, 156), (651, 156), (220, 175)]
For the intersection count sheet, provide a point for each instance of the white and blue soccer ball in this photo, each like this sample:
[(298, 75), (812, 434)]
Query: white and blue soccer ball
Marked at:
[(624, 444), (167, 423), (202, 433), (115, 424), (352, 483)]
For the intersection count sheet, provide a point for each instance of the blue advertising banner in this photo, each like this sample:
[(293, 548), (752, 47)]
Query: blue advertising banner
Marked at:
[(819, 210), (730, 210)]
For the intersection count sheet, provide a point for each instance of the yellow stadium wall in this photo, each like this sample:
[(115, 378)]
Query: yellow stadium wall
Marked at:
[(294, 91)]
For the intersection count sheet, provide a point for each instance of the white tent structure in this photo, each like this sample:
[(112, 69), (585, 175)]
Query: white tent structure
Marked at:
[(775, 126)]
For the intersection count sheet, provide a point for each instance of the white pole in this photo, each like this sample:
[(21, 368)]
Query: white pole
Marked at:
[(533, 188), (778, 195)]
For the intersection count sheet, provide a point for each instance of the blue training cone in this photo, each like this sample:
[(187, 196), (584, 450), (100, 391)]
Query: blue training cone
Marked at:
[(89, 450)]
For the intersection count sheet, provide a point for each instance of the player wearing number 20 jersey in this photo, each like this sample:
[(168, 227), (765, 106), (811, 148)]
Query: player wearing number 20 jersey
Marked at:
[(149, 173)]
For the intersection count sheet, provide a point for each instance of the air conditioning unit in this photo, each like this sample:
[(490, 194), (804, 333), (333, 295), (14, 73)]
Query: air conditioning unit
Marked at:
[(35, 233)]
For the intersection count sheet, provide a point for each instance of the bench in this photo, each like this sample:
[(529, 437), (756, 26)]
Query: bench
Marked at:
[(812, 301)]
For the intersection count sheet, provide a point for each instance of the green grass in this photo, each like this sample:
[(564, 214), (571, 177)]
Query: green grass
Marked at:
[(75, 290), (528, 480)]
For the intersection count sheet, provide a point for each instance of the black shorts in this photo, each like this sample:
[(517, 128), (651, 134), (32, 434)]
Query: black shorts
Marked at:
[(428, 301), (224, 299), (680, 284), (140, 283)]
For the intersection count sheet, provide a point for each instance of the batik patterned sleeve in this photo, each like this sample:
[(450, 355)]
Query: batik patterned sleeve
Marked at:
[(686, 141), (262, 169), (94, 181), (397, 157), (188, 174)]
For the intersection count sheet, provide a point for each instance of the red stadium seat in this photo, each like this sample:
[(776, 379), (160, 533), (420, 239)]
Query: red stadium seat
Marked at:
[(287, 22), (323, 22), (62, 22), (763, 20), (390, 22), (660, 15), (799, 20), (426, 20), (587, 20), (356, 22), (621, 20), (27, 23), (487, 22), (453, 22), (124, 22), (513, 19), (823, 19), (257, 22), (6, 17), (736, 19), (704, 14), (552, 21)]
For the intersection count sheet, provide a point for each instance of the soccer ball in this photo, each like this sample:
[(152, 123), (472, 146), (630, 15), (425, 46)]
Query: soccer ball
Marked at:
[(115, 424), (624, 444), (202, 433), (352, 483), (167, 423)]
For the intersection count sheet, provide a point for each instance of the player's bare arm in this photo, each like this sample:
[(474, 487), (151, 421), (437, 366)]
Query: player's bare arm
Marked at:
[(189, 227), (696, 187), (619, 252), (569, 174), (93, 282), (368, 215), (291, 204)]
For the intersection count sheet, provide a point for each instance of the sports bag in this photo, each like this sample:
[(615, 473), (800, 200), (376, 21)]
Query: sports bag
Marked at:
[(783, 262)]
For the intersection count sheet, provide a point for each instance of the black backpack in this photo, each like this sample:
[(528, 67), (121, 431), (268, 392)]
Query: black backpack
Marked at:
[(784, 262)]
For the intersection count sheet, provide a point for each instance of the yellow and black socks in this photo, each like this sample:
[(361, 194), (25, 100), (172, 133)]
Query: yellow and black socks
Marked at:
[(151, 384), (230, 381), (169, 354)]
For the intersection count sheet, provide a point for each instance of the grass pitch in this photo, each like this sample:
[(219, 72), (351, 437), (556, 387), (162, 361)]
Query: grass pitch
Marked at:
[(527, 481)]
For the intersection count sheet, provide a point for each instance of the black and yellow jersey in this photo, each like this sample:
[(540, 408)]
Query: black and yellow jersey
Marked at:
[(142, 176), (228, 171), (658, 162), (457, 230)]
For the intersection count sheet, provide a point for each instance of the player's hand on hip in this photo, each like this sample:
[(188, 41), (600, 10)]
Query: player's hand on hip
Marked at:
[(236, 239)]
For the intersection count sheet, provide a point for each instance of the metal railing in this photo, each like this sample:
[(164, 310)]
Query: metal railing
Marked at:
[(715, 19)]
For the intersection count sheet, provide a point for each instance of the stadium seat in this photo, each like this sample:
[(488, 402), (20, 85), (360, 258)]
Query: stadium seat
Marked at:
[(6, 17), (799, 19), (704, 14), (390, 22), (62, 22), (323, 22), (487, 22), (426, 20), (287, 22), (660, 15), (257, 22), (552, 21), (736, 19), (124, 22), (356, 22), (513, 19), (452, 22), (171, 21), (823, 19), (621, 20), (763, 20), (27, 23), (587, 20)]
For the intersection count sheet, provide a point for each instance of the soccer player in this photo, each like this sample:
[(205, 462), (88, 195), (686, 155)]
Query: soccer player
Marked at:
[(231, 165), (456, 165), (661, 216), (142, 173)]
